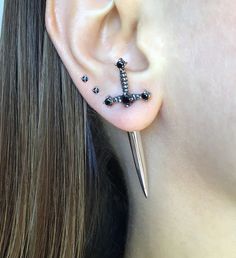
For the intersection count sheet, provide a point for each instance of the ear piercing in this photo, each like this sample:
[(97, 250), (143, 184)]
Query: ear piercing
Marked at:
[(96, 90), (84, 78), (126, 98)]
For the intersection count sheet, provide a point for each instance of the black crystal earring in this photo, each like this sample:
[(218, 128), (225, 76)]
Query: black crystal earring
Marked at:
[(84, 78), (126, 98), (96, 90)]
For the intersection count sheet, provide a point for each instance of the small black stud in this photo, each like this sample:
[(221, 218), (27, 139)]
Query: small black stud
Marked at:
[(146, 95), (127, 100), (121, 63), (85, 78), (108, 101), (96, 90)]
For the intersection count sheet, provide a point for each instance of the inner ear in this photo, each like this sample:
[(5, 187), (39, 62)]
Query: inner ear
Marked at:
[(118, 38), (109, 29), (111, 24)]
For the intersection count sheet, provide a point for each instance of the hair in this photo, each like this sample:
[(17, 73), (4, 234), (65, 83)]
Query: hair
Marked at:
[(62, 191)]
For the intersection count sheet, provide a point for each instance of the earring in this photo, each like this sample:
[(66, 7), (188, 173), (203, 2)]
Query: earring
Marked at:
[(84, 78), (134, 137), (139, 159), (96, 90), (126, 98)]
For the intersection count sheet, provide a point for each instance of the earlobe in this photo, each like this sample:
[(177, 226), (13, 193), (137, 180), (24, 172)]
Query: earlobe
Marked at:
[(90, 38)]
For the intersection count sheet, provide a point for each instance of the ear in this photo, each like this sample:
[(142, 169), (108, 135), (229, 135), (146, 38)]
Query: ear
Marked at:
[(90, 36)]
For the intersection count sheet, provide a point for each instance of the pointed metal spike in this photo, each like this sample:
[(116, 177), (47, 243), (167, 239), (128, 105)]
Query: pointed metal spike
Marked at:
[(139, 159)]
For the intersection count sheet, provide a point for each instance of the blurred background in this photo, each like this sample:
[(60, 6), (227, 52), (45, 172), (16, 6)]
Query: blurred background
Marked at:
[(1, 10)]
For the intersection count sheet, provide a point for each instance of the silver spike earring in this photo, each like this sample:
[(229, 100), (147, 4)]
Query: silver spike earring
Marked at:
[(139, 159)]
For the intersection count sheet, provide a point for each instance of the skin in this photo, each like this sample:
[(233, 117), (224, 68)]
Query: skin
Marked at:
[(185, 51)]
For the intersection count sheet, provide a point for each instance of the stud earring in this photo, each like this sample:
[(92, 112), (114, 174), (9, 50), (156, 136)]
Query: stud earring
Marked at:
[(126, 98), (96, 90), (84, 78)]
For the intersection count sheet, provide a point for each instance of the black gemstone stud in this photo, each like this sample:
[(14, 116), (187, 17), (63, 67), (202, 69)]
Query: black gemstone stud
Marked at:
[(108, 101), (96, 90), (146, 95), (121, 63), (126, 98), (85, 78)]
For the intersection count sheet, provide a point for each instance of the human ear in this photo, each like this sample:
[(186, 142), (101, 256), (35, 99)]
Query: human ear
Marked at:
[(90, 36)]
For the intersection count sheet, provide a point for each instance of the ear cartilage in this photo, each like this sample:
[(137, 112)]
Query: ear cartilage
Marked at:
[(126, 98), (96, 90), (84, 78)]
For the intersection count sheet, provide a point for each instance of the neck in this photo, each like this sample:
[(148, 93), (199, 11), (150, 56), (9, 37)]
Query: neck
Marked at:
[(187, 213)]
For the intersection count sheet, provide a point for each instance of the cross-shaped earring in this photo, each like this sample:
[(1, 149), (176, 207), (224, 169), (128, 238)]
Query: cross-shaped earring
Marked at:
[(126, 98)]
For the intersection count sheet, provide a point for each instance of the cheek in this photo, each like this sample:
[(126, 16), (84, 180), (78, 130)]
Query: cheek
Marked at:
[(200, 86)]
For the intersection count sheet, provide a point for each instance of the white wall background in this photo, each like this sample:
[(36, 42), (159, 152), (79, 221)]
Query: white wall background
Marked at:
[(1, 10)]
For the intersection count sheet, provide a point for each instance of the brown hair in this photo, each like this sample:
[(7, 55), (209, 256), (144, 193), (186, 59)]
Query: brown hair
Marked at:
[(62, 192)]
